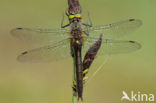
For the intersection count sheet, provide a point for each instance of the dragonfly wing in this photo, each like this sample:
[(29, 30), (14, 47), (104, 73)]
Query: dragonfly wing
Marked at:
[(110, 46), (39, 35), (47, 53), (115, 30), (118, 46)]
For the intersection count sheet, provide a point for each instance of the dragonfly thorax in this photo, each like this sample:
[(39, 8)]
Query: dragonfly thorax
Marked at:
[(76, 33), (76, 41)]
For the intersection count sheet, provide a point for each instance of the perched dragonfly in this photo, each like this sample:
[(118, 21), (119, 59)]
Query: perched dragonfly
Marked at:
[(59, 45), (74, 14)]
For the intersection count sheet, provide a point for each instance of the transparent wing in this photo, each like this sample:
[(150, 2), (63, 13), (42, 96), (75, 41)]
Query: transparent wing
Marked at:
[(115, 30), (39, 35), (47, 53), (110, 46), (118, 46)]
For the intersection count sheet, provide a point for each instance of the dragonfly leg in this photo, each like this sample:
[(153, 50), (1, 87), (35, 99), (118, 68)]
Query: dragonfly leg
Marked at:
[(87, 25), (90, 22), (63, 26), (86, 33), (66, 12), (80, 9)]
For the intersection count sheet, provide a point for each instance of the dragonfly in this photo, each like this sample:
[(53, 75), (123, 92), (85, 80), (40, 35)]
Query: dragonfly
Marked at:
[(57, 41), (74, 14), (76, 41)]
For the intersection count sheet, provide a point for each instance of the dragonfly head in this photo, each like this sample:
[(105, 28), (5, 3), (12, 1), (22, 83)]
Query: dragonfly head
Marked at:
[(74, 17)]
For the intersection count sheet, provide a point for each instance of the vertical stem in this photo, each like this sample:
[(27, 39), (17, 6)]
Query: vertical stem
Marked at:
[(74, 97)]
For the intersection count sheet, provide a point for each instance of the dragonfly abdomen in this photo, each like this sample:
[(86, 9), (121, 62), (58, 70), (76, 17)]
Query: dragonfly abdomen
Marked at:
[(79, 70)]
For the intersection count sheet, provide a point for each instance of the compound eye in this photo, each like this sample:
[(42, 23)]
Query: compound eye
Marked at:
[(78, 16), (71, 17)]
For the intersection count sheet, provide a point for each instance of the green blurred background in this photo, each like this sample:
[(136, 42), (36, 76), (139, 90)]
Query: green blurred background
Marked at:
[(52, 82)]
